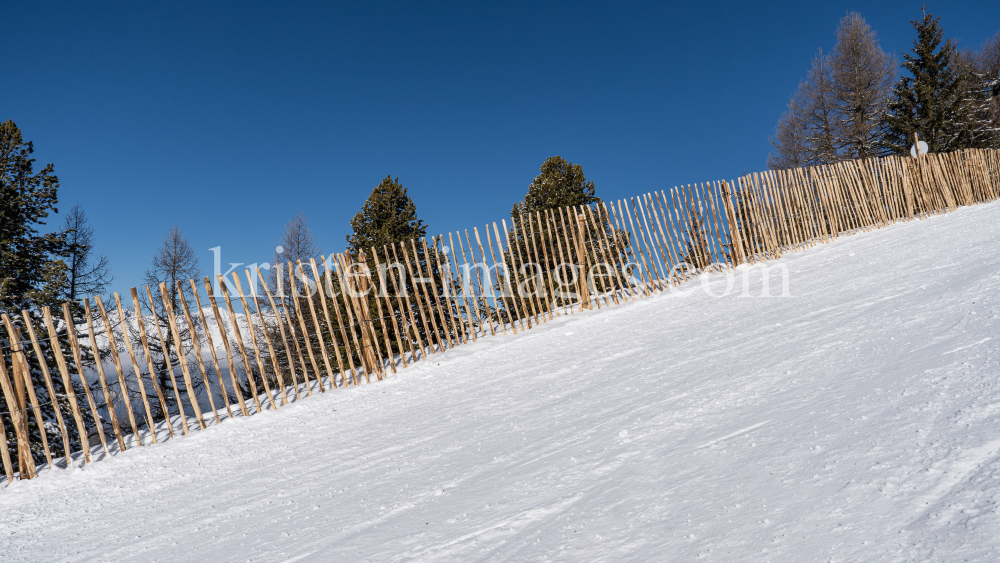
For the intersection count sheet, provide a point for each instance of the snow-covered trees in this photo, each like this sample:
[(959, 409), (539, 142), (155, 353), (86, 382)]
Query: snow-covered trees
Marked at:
[(980, 72)]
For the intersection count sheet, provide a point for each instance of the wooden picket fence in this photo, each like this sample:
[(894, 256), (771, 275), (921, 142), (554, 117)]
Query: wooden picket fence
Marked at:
[(181, 360)]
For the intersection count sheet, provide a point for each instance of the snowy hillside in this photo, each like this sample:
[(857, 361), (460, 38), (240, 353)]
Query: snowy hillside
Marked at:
[(857, 419)]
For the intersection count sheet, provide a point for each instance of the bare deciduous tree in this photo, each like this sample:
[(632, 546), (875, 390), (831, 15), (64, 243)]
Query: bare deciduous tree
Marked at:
[(174, 261), (805, 134), (837, 112), (297, 243), (862, 75), (88, 273)]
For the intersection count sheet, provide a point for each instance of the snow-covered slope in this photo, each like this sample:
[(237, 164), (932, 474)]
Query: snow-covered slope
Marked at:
[(857, 419)]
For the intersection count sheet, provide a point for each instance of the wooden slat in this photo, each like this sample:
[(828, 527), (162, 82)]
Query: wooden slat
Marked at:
[(305, 333), (19, 418), (382, 293), (318, 331), (100, 375), (19, 356), (344, 329), (230, 359), (8, 467), (329, 324), (240, 347), (211, 347), (78, 360), (267, 338), (284, 341), (181, 355), (197, 348), (349, 309), (384, 273), (113, 346), (358, 307), (47, 376), (149, 359), (81, 428), (403, 298), (166, 362), (150, 424), (253, 339)]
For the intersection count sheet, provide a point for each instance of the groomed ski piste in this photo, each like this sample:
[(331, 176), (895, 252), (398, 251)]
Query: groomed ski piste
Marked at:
[(857, 418)]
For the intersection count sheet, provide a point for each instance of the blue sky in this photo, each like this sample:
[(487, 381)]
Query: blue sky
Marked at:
[(226, 119)]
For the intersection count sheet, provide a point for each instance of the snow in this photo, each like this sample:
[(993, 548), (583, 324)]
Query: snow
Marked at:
[(856, 419)]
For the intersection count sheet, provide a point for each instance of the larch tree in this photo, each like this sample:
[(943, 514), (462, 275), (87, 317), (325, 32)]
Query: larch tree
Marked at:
[(806, 134), (862, 75), (837, 111), (297, 242), (175, 261), (88, 273)]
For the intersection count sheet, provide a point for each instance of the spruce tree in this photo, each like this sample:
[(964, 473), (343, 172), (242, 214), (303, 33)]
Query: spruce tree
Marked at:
[(388, 216), (929, 101)]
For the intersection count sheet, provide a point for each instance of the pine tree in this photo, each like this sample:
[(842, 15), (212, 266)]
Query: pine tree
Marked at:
[(388, 216), (31, 271), (560, 184), (562, 190), (929, 101)]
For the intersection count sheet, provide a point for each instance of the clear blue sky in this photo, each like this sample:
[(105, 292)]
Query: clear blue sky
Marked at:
[(226, 119)]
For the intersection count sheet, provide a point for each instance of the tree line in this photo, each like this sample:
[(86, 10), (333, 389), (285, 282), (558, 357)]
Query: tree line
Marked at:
[(854, 104), (42, 269)]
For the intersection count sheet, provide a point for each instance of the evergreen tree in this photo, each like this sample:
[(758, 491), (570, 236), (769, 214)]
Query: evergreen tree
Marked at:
[(560, 184), (31, 273), (929, 101), (562, 190), (388, 216)]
